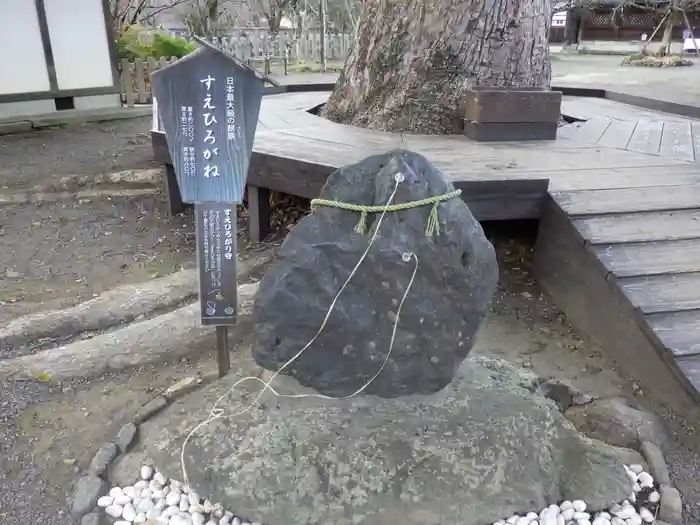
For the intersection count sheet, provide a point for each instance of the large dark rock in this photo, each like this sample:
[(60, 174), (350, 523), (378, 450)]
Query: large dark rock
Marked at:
[(483, 448), (455, 282)]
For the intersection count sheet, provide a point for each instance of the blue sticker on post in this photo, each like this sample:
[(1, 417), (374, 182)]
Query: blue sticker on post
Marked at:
[(209, 104)]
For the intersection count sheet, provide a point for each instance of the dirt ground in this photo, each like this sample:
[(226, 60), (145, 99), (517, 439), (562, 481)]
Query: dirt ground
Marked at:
[(58, 253), (55, 254), (34, 158)]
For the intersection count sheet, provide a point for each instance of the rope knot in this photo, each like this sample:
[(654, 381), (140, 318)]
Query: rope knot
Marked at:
[(362, 223), (432, 228)]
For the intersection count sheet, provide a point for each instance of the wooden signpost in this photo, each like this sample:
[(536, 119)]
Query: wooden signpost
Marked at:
[(209, 103)]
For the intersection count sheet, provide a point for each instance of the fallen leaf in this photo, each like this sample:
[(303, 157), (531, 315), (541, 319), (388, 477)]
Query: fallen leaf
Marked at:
[(43, 377)]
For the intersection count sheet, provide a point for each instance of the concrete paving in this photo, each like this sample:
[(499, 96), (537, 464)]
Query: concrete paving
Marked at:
[(672, 84)]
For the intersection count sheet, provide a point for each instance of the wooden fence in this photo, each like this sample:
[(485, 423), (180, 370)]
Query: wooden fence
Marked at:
[(135, 76), (260, 51), (135, 80), (306, 49)]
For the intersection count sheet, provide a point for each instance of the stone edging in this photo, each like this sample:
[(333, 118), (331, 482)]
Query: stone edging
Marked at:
[(94, 484), (670, 504)]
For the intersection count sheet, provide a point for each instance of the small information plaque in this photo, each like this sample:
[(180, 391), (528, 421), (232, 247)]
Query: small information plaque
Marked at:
[(216, 255)]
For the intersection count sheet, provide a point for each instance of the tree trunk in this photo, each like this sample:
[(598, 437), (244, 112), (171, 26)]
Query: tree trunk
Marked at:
[(664, 49), (412, 61), (571, 27), (579, 36)]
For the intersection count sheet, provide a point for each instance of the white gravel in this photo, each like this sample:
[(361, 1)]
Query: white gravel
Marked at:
[(167, 502), (638, 509)]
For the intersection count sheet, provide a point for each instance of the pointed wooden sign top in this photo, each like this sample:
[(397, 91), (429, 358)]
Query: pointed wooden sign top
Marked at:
[(209, 103)]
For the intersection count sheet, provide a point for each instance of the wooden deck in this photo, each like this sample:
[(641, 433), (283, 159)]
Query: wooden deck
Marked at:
[(618, 198), (614, 125)]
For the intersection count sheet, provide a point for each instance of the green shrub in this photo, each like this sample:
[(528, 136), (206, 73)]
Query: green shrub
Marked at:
[(166, 46), (137, 42), (124, 50), (133, 43)]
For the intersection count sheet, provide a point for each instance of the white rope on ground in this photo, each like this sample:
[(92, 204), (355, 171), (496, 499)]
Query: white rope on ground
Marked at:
[(218, 413)]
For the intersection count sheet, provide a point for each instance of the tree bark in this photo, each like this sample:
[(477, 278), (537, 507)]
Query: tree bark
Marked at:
[(112, 308), (165, 337), (571, 28), (665, 46), (121, 305), (412, 60)]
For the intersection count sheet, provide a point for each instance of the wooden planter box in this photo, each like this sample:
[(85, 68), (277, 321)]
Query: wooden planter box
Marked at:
[(509, 114)]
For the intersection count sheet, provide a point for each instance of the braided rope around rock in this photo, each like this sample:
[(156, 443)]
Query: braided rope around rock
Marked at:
[(433, 226)]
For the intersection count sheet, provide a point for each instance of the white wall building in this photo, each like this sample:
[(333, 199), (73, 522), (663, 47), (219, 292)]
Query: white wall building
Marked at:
[(56, 55)]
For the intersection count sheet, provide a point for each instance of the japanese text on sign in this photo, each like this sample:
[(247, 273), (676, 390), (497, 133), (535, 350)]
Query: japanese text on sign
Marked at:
[(187, 130), (205, 238), (188, 160), (211, 151), (216, 252), (211, 247), (187, 122), (209, 105), (228, 235), (217, 271), (230, 109)]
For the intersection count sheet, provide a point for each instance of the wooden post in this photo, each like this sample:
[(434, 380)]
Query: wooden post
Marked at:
[(258, 213), (223, 358), (150, 67), (653, 34), (128, 82), (141, 82), (172, 191), (579, 33), (322, 11)]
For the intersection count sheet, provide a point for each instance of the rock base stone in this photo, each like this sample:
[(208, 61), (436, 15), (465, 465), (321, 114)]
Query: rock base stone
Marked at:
[(487, 446)]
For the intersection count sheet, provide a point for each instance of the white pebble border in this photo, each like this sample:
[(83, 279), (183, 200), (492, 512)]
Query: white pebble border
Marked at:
[(156, 499), (640, 508)]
